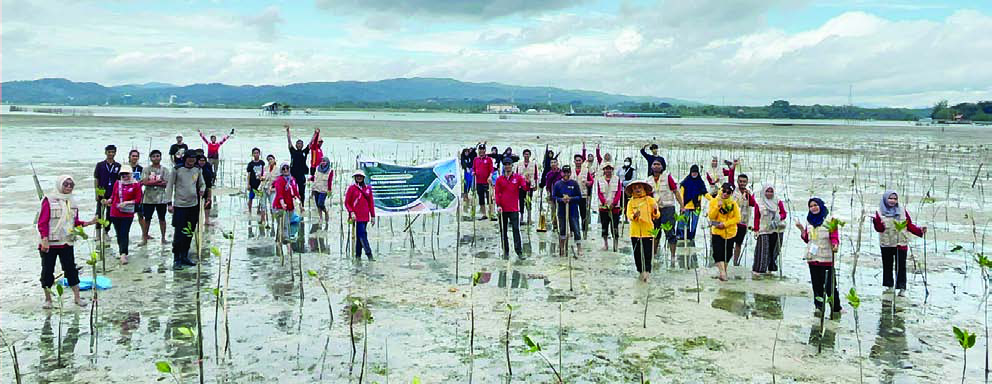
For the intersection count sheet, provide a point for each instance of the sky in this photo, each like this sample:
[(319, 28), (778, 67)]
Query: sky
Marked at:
[(738, 52)]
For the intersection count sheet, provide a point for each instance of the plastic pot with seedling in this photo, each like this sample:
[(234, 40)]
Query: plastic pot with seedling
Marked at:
[(535, 347), (966, 340)]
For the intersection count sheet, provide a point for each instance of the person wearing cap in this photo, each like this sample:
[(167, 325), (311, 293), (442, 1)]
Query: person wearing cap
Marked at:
[(653, 156), (609, 191), (567, 194), (213, 147), (104, 176), (483, 167), (359, 202), (176, 150), (508, 188), (666, 194), (123, 201), (724, 214), (527, 169), (183, 192), (284, 203), (642, 211)]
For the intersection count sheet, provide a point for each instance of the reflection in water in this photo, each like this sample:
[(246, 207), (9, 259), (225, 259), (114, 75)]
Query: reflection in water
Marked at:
[(731, 301), (829, 336), (891, 346), (764, 306), (52, 359)]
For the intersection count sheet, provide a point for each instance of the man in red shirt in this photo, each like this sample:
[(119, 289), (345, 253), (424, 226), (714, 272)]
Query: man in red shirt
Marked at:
[(213, 148), (483, 168), (509, 186)]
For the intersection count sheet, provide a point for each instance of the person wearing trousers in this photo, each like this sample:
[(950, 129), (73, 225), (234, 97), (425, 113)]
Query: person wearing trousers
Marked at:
[(360, 204), (58, 217), (508, 188), (821, 245), (893, 241), (183, 192), (642, 211), (123, 204), (724, 214), (609, 191)]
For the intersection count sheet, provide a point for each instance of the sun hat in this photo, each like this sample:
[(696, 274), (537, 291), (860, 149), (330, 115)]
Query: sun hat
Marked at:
[(358, 172), (648, 190), (607, 164), (126, 169)]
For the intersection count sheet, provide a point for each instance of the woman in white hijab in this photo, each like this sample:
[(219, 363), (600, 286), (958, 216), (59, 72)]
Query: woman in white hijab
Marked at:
[(58, 217)]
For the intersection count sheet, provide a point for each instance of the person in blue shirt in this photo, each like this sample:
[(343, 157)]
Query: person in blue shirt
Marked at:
[(651, 157), (567, 193)]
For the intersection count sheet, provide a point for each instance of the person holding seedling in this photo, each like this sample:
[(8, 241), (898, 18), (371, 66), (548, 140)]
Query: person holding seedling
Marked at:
[(104, 176), (58, 218), (567, 193), (692, 190), (822, 239), (609, 190), (284, 204), (123, 202), (724, 214), (666, 194), (769, 224), (183, 194), (507, 190), (745, 201), (892, 221), (322, 181), (253, 173), (360, 204), (548, 180), (482, 168), (642, 211)]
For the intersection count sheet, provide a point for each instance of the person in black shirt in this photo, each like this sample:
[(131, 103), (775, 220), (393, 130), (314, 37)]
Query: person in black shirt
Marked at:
[(298, 161), (254, 169), (176, 150), (467, 158)]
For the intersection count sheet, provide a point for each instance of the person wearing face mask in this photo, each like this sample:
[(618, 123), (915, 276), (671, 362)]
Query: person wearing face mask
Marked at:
[(821, 244), (284, 204), (183, 192), (124, 198), (58, 216), (642, 211), (360, 204), (507, 190), (893, 241), (627, 174), (769, 218), (724, 214), (322, 181)]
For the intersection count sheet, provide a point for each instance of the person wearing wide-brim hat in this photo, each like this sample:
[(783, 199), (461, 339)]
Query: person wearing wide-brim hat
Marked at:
[(642, 210), (361, 211), (609, 190)]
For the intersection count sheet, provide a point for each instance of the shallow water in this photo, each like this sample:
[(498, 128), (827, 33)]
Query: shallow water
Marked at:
[(421, 295)]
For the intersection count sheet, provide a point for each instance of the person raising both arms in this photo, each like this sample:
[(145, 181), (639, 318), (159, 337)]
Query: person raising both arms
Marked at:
[(153, 199), (316, 152), (298, 161), (893, 241), (58, 216), (123, 201), (213, 147)]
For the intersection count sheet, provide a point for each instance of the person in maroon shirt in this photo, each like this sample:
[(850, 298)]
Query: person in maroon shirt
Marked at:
[(483, 168), (58, 216), (509, 186), (548, 180)]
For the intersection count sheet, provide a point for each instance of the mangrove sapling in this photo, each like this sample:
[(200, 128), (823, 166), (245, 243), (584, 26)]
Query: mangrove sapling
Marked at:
[(534, 347), (362, 305), (985, 263), (95, 256), (828, 297), (561, 349), (17, 366), (198, 232), (647, 299), (166, 368), (855, 302), (59, 291), (966, 340), (509, 315), (471, 316), (330, 312)]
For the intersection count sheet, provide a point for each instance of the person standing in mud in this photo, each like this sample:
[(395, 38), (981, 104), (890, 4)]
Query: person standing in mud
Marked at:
[(567, 194), (724, 214), (608, 190), (123, 202), (298, 161), (153, 199), (322, 182), (584, 178), (893, 241), (360, 204), (692, 190), (209, 177), (213, 147), (745, 200), (527, 169), (507, 190), (176, 150), (284, 203), (137, 172), (104, 176), (641, 211), (666, 194), (627, 174), (821, 245), (467, 159), (254, 173), (185, 187), (482, 168), (58, 217), (548, 181), (269, 173), (316, 152), (769, 223)]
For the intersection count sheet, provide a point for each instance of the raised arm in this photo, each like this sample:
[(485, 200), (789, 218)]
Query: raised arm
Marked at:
[(289, 140), (202, 137)]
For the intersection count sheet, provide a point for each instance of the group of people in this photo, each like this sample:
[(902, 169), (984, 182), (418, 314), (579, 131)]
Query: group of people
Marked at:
[(658, 205)]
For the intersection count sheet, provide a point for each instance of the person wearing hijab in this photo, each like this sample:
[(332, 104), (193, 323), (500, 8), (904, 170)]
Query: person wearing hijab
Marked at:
[(642, 210), (692, 190), (821, 245), (360, 203), (724, 214), (209, 177), (322, 179), (123, 201), (284, 205), (893, 241), (769, 218), (58, 217), (269, 173)]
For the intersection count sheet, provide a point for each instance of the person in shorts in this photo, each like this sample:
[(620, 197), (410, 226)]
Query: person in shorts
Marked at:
[(154, 200)]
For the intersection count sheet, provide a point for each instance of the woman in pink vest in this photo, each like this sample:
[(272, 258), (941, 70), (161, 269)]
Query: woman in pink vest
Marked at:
[(361, 211), (124, 197)]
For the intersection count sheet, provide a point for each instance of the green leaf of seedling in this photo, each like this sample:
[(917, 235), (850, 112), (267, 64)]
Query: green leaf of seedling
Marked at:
[(103, 222), (475, 278), (186, 332), (655, 231), (961, 336), (971, 341), (509, 307), (215, 251), (853, 299), (532, 345), (229, 235), (983, 261), (312, 273), (163, 366), (665, 227), (929, 200), (78, 231), (957, 248), (818, 299), (901, 225), (101, 191), (59, 290), (216, 292), (416, 380)]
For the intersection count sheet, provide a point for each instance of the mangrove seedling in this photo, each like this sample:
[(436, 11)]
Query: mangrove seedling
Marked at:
[(966, 340), (471, 316), (366, 319), (59, 291), (13, 356), (985, 264), (855, 302), (509, 315), (165, 367), (534, 347), (330, 311)]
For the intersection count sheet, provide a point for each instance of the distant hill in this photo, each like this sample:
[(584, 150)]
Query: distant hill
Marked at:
[(313, 94)]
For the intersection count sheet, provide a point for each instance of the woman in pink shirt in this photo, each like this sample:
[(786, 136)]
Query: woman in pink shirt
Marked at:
[(58, 216), (124, 197), (361, 211), (283, 205), (821, 245)]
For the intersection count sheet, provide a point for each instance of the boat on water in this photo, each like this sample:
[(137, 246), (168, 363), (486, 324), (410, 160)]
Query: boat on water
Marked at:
[(617, 113)]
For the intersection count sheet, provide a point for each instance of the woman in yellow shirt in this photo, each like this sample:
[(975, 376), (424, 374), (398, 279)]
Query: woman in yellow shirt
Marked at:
[(724, 214), (642, 210)]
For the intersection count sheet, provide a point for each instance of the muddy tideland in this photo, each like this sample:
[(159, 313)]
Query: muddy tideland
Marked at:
[(270, 319)]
